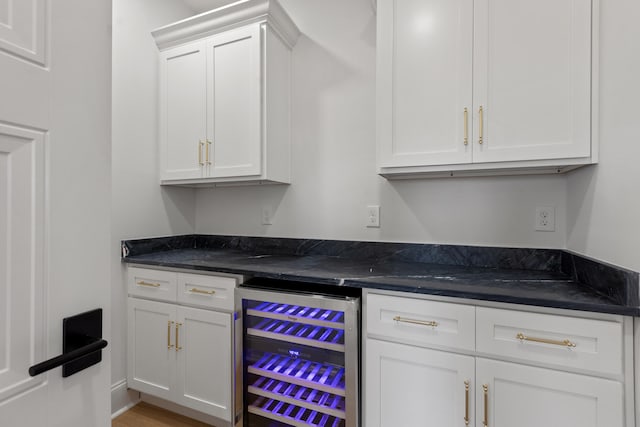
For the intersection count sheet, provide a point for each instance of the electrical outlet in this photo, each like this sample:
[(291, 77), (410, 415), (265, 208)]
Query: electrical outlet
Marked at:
[(267, 215), (545, 218), (373, 216)]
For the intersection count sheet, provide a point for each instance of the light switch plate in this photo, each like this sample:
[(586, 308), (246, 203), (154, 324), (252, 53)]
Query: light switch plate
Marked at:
[(267, 215)]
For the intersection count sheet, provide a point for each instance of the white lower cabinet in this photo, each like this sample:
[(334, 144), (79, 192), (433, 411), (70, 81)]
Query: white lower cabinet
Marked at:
[(411, 386), (179, 353), (204, 362), (151, 366), (526, 396), (520, 368)]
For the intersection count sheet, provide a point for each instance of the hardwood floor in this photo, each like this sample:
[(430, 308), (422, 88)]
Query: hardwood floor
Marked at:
[(145, 415)]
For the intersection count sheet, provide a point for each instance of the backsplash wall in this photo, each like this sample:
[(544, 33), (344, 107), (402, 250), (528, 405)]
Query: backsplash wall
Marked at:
[(604, 201), (334, 171), (334, 174)]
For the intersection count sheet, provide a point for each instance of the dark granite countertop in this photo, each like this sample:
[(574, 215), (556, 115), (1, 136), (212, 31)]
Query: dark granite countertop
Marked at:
[(552, 284)]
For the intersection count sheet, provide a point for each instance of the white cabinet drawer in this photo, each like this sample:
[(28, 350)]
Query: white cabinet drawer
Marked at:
[(577, 343), (421, 322), (154, 284), (207, 291)]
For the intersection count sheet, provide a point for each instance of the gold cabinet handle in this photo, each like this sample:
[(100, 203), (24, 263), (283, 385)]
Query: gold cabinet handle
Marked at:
[(431, 323), (169, 323), (485, 392), (143, 283), (481, 124), (200, 144), (200, 291), (178, 336), (563, 343), (466, 403), (208, 149), (466, 126)]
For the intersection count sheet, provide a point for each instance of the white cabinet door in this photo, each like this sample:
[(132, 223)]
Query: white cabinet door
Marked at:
[(183, 106), (151, 356), (410, 386), (424, 82), (525, 396), (233, 103), (532, 77), (204, 362)]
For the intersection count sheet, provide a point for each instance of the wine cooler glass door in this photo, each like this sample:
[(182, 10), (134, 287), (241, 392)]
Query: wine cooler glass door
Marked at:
[(298, 366)]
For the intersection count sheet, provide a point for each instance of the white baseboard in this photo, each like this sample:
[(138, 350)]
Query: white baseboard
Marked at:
[(122, 399)]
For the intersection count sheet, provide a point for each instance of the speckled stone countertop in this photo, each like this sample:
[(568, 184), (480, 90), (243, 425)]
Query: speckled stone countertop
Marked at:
[(540, 277)]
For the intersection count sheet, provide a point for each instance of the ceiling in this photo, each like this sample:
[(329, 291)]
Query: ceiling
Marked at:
[(200, 6)]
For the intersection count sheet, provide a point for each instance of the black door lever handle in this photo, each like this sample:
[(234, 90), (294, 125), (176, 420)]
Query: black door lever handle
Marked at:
[(81, 344), (71, 356)]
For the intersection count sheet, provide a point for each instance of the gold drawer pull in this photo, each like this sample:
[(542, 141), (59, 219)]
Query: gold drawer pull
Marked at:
[(481, 124), (200, 291), (466, 126), (143, 283), (485, 393), (178, 336), (207, 151), (169, 323), (466, 403), (431, 323), (564, 343), (200, 145)]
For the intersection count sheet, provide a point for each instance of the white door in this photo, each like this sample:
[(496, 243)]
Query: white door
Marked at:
[(234, 71), (55, 62), (525, 396), (532, 77), (411, 386), (151, 353), (204, 361), (183, 104), (424, 82)]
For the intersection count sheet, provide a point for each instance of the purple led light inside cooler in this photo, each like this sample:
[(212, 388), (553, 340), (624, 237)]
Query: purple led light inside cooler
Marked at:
[(301, 312)]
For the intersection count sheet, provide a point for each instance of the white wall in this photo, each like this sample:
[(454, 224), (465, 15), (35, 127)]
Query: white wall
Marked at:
[(604, 202), (334, 156), (140, 207), (334, 174)]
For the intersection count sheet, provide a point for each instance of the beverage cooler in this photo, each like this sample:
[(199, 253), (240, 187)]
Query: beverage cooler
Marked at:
[(300, 358)]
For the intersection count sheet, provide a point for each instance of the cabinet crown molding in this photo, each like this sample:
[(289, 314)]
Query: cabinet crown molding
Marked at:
[(227, 17)]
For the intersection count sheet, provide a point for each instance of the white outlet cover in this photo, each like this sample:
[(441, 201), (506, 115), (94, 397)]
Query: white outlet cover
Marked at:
[(545, 218), (373, 216)]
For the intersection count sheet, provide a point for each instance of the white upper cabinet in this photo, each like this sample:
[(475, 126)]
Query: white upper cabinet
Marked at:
[(233, 109), (225, 94), (184, 111), (424, 81), (470, 87), (532, 69)]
